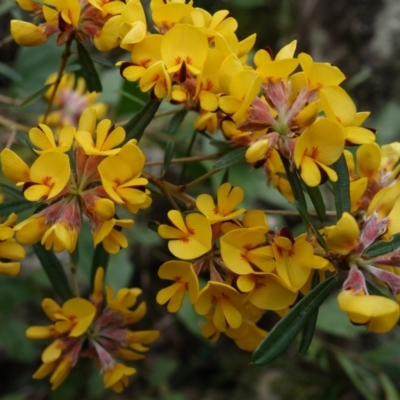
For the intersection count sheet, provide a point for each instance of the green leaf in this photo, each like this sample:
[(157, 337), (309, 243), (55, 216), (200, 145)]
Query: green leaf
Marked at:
[(290, 325), (388, 387), (176, 120), (100, 259), (231, 158), (89, 72), (14, 205), (11, 190), (307, 220), (153, 225), (103, 61), (169, 154), (225, 178), (54, 271), (309, 327), (36, 95), (294, 182), (357, 375), (10, 73), (221, 144), (383, 247), (131, 97), (318, 201), (341, 188), (138, 123)]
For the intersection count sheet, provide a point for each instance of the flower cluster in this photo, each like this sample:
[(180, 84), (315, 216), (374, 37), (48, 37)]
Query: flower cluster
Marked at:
[(10, 251), (70, 101), (95, 329), (250, 268), (101, 176)]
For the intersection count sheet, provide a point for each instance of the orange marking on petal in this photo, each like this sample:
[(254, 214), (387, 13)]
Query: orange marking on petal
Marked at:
[(177, 278), (189, 60), (248, 246), (191, 230), (177, 60), (213, 299), (145, 61)]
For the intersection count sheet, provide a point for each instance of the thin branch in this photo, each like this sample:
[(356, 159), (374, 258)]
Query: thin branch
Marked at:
[(294, 213), (64, 59), (198, 180), (8, 123), (185, 159)]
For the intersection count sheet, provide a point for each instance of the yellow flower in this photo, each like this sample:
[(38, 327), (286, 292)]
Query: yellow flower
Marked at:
[(112, 239), (343, 237), (120, 176), (116, 377), (191, 237), (338, 106), (43, 137), (244, 252), (319, 146), (226, 303), (185, 281), (228, 197), (47, 177), (294, 259), (107, 137), (10, 251), (378, 314)]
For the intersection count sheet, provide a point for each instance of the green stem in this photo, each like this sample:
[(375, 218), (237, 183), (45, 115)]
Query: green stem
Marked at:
[(188, 151), (64, 59)]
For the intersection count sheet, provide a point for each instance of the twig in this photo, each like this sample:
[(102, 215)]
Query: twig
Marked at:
[(294, 213), (64, 58), (8, 123), (185, 160)]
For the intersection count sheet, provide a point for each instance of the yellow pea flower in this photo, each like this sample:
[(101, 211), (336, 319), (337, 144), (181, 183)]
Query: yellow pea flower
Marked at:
[(185, 281), (228, 197), (226, 303), (10, 251), (116, 377), (338, 106), (343, 237), (107, 138), (190, 237), (243, 252), (48, 175), (318, 147), (378, 314), (43, 138), (112, 239), (294, 259)]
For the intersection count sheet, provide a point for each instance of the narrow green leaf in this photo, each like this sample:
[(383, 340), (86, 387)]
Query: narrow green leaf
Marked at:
[(225, 178), (169, 154), (138, 123), (36, 95), (355, 374), (294, 182), (54, 271), (309, 328), (14, 205), (341, 188), (231, 158), (89, 72), (290, 325), (318, 201), (73, 68), (383, 247), (43, 3), (103, 61), (307, 220), (176, 120), (222, 145), (100, 259), (10, 73), (153, 225), (11, 190), (389, 388), (129, 96)]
